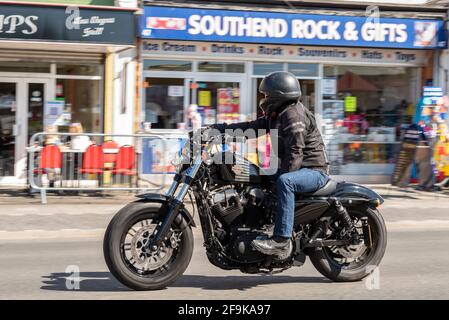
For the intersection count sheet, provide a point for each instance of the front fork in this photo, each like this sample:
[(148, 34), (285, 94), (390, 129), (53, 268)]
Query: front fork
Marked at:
[(175, 202)]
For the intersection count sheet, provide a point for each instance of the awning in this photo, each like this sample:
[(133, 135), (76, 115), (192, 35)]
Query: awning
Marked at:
[(350, 82)]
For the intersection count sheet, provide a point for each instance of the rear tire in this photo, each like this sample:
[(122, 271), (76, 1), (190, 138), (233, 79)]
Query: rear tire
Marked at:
[(328, 267), (114, 248)]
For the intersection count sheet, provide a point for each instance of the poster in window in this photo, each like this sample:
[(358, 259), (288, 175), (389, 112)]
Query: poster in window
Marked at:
[(175, 91), (54, 113), (350, 104), (204, 98), (228, 104), (329, 86)]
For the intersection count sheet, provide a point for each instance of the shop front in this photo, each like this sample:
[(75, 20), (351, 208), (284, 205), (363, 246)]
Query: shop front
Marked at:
[(53, 73), (361, 92)]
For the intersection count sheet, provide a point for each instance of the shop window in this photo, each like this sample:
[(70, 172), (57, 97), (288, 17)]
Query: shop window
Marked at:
[(210, 66), (21, 66), (307, 98), (303, 70), (363, 110), (78, 70), (82, 100), (167, 65), (164, 102), (217, 101), (264, 68)]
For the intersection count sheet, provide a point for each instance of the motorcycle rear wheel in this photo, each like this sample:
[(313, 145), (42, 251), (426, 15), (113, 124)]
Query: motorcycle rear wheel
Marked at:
[(332, 262), (133, 265)]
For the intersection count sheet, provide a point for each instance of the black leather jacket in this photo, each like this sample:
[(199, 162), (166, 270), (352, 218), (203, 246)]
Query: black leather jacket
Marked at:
[(299, 142)]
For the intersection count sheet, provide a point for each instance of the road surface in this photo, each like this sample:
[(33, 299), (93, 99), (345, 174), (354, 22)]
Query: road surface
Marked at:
[(40, 244)]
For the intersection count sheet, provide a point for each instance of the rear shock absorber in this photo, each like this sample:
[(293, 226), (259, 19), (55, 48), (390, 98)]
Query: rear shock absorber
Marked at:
[(367, 232), (344, 216)]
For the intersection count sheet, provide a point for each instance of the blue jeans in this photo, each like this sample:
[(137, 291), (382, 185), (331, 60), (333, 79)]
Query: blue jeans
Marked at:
[(287, 184)]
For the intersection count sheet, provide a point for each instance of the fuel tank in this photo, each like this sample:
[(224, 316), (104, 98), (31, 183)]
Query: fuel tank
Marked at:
[(233, 168)]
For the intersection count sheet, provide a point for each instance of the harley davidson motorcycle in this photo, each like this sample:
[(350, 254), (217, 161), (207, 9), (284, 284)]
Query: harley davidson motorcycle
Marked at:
[(149, 243)]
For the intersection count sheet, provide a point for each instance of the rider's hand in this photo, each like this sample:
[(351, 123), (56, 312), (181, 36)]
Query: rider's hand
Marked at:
[(212, 131)]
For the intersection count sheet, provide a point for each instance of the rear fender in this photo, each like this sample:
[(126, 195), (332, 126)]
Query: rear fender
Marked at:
[(162, 199), (353, 193)]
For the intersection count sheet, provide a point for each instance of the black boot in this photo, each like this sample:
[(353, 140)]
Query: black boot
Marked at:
[(276, 246)]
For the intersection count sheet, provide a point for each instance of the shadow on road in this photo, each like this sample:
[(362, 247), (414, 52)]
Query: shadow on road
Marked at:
[(104, 282), (88, 281), (242, 282)]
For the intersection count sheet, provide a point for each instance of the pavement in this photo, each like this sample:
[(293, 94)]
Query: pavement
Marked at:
[(42, 245)]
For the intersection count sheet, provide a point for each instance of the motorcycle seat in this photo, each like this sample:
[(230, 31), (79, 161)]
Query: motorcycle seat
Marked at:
[(329, 188)]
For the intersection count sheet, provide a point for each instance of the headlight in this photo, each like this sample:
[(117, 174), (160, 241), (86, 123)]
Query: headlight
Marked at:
[(182, 157)]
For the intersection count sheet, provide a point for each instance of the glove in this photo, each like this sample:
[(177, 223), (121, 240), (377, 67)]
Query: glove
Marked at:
[(212, 131)]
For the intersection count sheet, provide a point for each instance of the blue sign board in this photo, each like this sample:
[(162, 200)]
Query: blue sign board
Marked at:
[(283, 28), (157, 156)]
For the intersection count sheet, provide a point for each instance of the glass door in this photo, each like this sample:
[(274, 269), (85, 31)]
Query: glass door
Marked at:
[(8, 128), (36, 100), (22, 102), (218, 100)]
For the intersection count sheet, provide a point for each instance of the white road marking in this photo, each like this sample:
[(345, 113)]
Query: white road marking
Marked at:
[(98, 233), (412, 225), (39, 210), (36, 234)]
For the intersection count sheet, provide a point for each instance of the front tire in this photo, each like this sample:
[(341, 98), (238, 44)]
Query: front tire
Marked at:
[(125, 254), (328, 261)]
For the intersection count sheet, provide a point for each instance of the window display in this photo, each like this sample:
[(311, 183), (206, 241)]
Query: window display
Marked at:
[(217, 101), (83, 100), (164, 102), (362, 117)]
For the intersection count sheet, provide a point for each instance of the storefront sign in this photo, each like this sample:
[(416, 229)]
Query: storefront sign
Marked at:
[(283, 28), (60, 23), (284, 53), (431, 95), (157, 156)]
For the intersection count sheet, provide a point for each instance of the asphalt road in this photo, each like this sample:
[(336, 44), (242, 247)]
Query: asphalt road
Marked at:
[(39, 244)]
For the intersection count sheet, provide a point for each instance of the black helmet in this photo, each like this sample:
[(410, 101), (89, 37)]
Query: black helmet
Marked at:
[(279, 88)]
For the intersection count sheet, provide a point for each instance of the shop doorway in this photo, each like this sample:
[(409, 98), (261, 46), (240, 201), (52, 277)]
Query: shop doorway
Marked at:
[(218, 100), (22, 102)]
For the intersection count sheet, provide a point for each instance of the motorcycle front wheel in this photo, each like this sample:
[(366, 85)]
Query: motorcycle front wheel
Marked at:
[(353, 262), (127, 256)]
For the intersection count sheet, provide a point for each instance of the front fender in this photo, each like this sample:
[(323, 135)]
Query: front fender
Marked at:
[(354, 190), (162, 198)]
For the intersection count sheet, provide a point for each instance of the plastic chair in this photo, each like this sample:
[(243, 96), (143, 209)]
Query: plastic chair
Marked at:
[(51, 158), (93, 160), (126, 164), (110, 157), (126, 161)]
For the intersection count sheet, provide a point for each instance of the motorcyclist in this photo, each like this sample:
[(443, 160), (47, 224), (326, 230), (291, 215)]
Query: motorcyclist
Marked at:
[(303, 161)]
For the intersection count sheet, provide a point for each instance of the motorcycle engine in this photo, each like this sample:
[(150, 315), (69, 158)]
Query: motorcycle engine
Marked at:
[(226, 204), (244, 218), (242, 249)]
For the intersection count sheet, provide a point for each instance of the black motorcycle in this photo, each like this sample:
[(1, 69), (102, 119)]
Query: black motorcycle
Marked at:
[(149, 243)]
